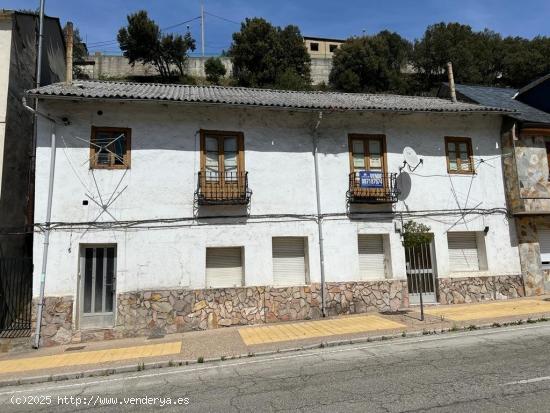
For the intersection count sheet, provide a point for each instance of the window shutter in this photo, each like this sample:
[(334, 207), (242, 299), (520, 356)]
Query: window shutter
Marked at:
[(544, 243), (371, 257), (463, 254), (289, 261), (224, 267)]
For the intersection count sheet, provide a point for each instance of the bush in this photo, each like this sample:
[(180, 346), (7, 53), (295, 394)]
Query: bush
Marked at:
[(214, 70)]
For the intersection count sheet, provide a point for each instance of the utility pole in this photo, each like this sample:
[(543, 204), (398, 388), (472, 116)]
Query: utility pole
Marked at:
[(202, 27)]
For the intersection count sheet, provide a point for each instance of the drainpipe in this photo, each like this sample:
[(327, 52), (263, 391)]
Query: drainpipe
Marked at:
[(319, 217), (46, 241), (46, 244)]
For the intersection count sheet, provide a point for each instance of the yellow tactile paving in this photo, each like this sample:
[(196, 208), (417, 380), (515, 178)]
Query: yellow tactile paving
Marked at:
[(89, 357), (491, 310), (311, 329)]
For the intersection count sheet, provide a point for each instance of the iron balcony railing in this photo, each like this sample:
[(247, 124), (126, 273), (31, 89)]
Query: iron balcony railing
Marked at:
[(223, 188), (372, 187)]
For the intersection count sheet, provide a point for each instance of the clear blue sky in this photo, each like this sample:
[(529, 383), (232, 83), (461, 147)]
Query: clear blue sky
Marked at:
[(99, 20)]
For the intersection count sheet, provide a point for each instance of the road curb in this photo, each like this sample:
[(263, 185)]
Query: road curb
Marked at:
[(132, 368)]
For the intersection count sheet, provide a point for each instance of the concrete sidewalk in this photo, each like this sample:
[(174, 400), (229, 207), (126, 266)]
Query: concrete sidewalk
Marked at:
[(110, 357)]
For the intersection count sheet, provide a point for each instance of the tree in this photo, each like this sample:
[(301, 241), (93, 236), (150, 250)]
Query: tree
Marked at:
[(371, 64), (214, 69), (267, 56), (524, 60), (142, 41), (80, 53)]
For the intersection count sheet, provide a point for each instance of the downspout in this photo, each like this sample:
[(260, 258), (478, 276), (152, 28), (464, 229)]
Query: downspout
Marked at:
[(319, 215), (46, 240), (46, 244)]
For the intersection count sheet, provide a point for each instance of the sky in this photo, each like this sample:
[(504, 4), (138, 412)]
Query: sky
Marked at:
[(99, 20)]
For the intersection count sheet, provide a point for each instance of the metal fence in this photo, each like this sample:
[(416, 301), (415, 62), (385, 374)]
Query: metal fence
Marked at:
[(15, 296), (225, 188), (386, 193), (420, 275)]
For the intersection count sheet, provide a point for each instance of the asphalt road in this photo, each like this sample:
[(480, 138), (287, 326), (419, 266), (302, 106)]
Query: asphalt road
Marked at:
[(500, 370)]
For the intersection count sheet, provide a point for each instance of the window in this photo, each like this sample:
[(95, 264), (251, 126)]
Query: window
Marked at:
[(222, 156), (544, 244), (367, 152), (332, 48), (110, 148), (224, 268), (289, 261), (463, 251), (372, 260), (459, 155), (314, 47)]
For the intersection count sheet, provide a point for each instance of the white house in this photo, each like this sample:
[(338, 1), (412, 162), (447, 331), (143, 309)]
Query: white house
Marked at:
[(179, 207)]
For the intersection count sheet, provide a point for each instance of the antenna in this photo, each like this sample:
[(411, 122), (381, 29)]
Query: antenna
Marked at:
[(411, 159)]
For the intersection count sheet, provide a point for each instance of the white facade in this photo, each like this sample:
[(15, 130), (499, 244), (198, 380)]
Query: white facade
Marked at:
[(160, 184)]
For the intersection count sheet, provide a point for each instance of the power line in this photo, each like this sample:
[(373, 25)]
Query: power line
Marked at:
[(106, 42), (223, 18)]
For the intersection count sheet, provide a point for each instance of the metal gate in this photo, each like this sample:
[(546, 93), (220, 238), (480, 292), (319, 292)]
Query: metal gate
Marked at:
[(420, 274), (15, 296)]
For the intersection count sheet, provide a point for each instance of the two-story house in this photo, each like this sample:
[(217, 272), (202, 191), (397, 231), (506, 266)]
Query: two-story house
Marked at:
[(526, 149), (179, 207)]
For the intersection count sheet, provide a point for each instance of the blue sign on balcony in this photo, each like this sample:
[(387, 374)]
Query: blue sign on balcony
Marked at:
[(370, 179)]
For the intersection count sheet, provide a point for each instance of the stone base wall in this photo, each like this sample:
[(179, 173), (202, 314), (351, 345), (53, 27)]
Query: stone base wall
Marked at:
[(146, 313), (477, 289)]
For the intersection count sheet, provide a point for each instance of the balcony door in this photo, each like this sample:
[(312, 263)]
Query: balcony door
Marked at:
[(368, 163), (222, 164)]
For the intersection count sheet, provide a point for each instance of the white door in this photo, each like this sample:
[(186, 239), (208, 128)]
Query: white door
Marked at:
[(463, 251), (544, 244), (289, 261), (371, 257), (97, 286), (224, 267)]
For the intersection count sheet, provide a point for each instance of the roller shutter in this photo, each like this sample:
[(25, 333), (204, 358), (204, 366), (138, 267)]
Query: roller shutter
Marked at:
[(544, 243), (224, 267), (371, 257), (463, 252), (289, 261)]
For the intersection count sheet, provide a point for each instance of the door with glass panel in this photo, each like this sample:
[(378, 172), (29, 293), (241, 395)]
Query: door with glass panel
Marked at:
[(97, 286), (222, 170), (367, 159)]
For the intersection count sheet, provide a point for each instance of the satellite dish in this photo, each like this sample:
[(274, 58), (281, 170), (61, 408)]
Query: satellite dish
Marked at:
[(411, 158)]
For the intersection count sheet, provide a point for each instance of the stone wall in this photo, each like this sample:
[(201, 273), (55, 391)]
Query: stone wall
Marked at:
[(146, 313), (101, 66), (476, 289)]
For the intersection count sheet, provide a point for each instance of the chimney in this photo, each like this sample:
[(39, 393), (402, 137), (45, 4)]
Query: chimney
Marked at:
[(69, 62), (451, 81)]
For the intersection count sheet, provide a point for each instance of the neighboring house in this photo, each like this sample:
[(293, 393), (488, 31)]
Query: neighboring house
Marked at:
[(526, 149), (18, 47), (321, 47), (180, 207)]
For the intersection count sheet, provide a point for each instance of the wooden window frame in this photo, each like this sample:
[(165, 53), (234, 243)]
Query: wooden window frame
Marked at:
[(93, 149), (365, 138), (220, 134), (456, 140)]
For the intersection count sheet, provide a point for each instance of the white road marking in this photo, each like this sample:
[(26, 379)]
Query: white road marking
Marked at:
[(306, 353), (527, 381)]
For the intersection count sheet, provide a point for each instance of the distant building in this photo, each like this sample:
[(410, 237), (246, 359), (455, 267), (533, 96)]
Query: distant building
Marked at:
[(321, 47), (18, 49)]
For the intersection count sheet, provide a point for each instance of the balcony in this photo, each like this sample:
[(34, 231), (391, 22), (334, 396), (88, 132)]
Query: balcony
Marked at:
[(226, 188), (372, 187)]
